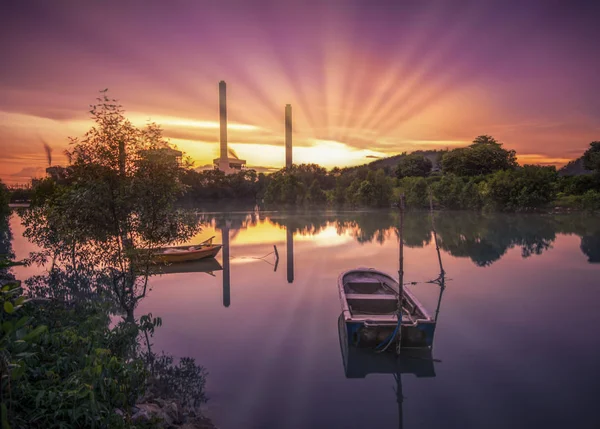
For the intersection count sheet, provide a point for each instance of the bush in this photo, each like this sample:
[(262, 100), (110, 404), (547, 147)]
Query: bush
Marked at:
[(416, 192), (590, 201), (524, 189), (4, 199)]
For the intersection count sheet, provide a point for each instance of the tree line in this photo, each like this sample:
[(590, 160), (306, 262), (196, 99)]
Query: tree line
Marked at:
[(483, 175)]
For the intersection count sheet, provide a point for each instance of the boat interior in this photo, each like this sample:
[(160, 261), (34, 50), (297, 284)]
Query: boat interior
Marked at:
[(374, 294)]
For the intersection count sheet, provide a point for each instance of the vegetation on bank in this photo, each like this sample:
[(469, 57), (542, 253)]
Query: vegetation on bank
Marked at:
[(482, 176), (64, 365)]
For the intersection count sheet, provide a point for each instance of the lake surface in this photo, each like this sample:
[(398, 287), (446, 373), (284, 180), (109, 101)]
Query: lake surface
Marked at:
[(517, 342)]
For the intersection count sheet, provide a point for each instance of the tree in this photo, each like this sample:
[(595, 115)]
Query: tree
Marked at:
[(413, 165), (416, 192), (315, 194), (527, 188), (382, 188), (4, 199), (485, 139), (118, 209), (591, 157), (484, 156), (339, 193), (366, 194)]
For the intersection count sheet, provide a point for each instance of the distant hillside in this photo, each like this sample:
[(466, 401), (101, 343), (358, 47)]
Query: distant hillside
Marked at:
[(574, 168), (391, 162)]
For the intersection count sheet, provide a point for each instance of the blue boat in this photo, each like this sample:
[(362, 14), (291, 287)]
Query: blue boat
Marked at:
[(369, 300)]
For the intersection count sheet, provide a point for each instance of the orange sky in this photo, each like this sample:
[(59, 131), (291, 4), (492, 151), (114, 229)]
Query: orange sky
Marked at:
[(363, 82)]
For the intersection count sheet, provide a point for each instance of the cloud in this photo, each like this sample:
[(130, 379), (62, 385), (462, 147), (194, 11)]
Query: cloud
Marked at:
[(29, 172)]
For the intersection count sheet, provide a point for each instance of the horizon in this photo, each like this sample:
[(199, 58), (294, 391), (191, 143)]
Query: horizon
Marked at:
[(364, 81)]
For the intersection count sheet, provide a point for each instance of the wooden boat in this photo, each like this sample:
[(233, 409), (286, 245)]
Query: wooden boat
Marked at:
[(360, 362), (369, 300), (187, 253)]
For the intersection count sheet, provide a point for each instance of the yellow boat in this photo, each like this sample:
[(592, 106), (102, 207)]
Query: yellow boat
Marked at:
[(187, 253)]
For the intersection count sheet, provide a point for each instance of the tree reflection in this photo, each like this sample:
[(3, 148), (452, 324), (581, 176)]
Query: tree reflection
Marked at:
[(483, 238)]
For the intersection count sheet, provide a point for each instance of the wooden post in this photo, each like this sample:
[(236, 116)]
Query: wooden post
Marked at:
[(437, 248), (442, 278), (276, 258), (400, 276)]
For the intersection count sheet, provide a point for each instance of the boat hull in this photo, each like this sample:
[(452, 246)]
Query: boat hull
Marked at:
[(192, 255), (375, 324)]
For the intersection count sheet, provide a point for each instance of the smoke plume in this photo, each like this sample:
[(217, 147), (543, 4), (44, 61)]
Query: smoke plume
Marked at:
[(48, 150)]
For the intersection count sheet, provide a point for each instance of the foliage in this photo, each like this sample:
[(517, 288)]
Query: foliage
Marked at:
[(413, 165), (416, 192), (524, 189), (579, 185), (484, 156), (591, 157), (216, 185), (375, 190), (117, 208), (315, 194), (4, 199)]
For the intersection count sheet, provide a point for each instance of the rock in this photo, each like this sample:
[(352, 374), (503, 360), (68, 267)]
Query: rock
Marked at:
[(174, 412), (199, 423), (145, 413)]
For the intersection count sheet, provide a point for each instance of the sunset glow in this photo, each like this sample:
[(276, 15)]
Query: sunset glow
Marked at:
[(365, 79)]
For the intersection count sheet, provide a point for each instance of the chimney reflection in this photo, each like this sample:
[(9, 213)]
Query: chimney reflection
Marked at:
[(289, 242), (226, 272)]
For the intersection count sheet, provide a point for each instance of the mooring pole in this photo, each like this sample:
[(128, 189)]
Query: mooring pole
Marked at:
[(400, 275), (442, 278), (435, 240)]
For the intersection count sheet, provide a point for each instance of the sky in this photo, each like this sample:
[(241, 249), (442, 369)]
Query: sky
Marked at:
[(365, 78)]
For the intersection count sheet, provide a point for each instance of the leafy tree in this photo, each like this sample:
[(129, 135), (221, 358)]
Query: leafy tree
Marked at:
[(484, 156), (416, 192), (315, 194), (366, 194), (413, 165), (118, 209), (448, 191), (352, 192), (4, 199), (382, 188), (339, 193), (591, 157), (485, 139), (528, 188)]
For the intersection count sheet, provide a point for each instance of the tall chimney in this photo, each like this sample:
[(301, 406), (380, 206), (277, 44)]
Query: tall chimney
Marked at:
[(223, 120), (288, 135)]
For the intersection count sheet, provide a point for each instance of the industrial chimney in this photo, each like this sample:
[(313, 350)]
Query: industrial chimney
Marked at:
[(223, 160), (288, 135)]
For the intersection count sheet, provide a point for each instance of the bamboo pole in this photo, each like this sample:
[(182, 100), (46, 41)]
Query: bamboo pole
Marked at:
[(435, 240), (400, 275), (442, 277)]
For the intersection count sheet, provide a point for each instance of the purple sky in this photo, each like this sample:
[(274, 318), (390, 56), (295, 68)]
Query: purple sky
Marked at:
[(365, 78)]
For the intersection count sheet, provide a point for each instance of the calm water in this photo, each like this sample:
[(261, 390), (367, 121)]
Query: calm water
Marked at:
[(516, 345)]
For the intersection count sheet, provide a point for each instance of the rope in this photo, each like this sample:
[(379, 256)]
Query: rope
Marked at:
[(262, 258), (389, 339)]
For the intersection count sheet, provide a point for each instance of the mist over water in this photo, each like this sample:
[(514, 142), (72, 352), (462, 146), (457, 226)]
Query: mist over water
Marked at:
[(516, 343)]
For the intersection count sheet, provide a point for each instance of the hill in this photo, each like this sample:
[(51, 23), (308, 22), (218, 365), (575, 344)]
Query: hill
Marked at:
[(389, 164), (574, 168)]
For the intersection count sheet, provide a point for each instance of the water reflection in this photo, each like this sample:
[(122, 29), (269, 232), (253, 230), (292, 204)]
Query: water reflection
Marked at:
[(226, 269), (291, 375), (483, 238), (289, 245), (359, 363)]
